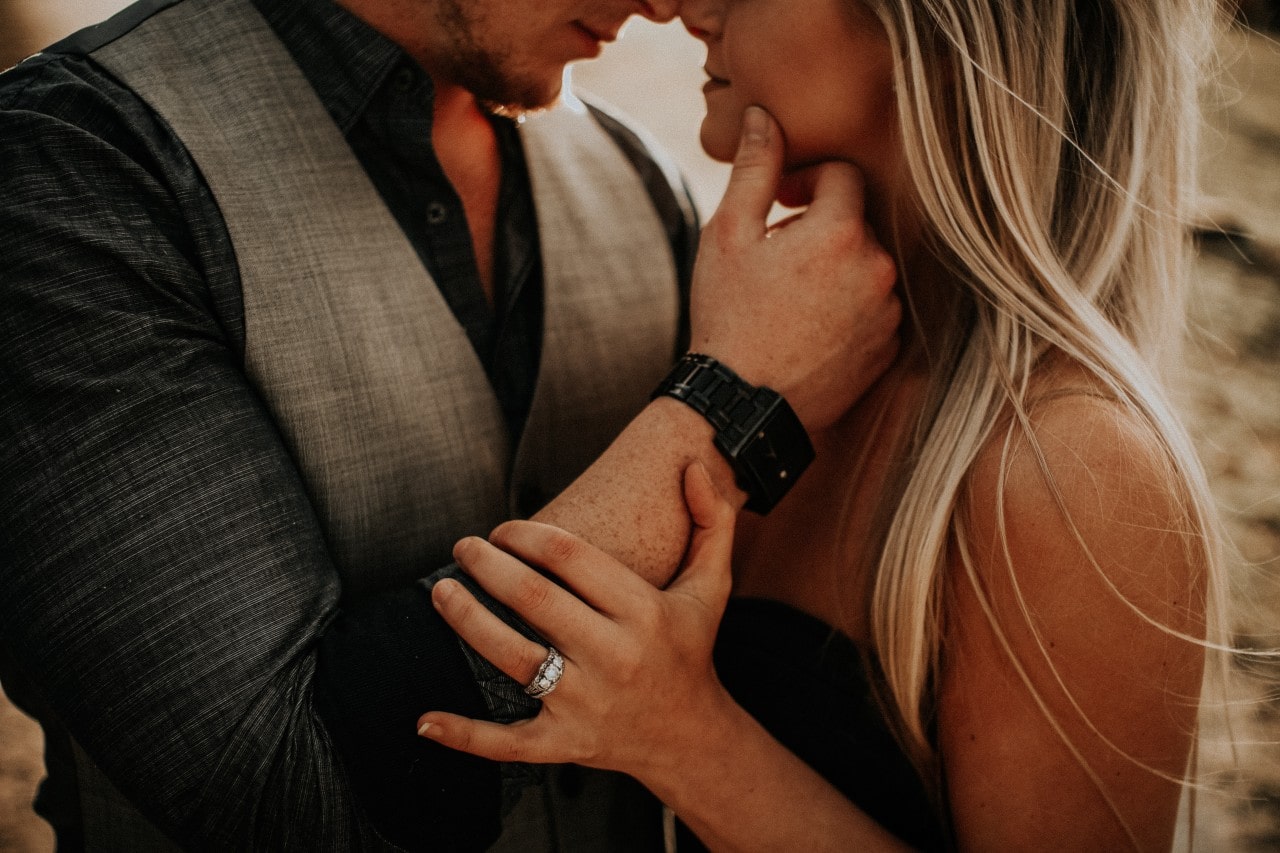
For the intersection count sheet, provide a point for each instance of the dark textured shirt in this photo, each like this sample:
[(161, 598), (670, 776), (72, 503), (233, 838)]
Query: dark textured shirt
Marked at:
[(820, 703), (165, 589)]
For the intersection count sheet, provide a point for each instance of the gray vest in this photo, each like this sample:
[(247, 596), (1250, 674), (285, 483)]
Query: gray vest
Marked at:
[(374, 385)]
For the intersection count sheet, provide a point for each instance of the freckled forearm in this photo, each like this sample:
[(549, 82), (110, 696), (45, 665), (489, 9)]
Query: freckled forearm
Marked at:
[(630, 502)]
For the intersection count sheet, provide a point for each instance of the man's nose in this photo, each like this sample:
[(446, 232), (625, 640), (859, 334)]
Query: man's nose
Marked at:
[(702, 18), (659, 10)]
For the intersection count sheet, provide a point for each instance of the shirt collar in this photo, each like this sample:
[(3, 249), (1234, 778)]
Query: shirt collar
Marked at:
[(343, 58)]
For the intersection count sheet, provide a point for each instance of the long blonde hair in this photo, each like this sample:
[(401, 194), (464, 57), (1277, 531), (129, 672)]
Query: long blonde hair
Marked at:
[(1051, 148)]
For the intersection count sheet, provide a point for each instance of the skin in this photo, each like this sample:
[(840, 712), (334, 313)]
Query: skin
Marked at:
[(481, 53), (1095, 560), (822, 68), (747, 313), (507, 54), (485, 56)]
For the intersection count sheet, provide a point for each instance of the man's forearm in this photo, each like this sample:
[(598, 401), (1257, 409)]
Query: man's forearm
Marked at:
[(807, 310), (630, 503)]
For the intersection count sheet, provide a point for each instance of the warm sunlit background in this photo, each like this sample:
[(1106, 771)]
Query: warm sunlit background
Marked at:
[(1229, 388)]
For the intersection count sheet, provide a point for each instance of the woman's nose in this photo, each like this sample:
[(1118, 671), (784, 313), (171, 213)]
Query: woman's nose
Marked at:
[(659, 10), (702, 18)]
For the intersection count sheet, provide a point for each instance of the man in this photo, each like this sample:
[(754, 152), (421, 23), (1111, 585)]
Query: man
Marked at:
[(287, 307)]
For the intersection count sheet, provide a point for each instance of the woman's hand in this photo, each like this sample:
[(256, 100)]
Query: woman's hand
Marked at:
[(638, 681), (639, 693)]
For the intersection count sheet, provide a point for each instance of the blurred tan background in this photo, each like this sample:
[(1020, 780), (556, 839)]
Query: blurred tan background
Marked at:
[(1229, 387)]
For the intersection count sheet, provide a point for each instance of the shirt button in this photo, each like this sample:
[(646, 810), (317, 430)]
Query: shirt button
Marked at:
[(403, 80), (436, 213)]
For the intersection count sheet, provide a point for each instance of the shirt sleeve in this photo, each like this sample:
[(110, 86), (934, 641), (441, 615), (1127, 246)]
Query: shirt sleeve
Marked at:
[(164, 581)]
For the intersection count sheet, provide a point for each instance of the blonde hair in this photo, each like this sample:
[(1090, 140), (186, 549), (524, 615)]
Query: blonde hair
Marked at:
[(1051, 149)]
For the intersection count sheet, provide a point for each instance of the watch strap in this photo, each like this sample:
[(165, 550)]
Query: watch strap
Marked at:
[(728, 402), (755, 429)]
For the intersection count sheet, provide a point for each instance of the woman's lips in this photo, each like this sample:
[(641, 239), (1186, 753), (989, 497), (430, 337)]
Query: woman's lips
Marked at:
[(714, 83)]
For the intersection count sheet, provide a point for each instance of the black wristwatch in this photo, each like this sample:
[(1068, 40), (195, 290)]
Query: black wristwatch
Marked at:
[(756, 430)]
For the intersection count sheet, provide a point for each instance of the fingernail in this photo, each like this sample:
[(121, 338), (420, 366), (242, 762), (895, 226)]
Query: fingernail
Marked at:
[(423, 729), (442, 591), (462, 547), (710, 483), (755, 126)]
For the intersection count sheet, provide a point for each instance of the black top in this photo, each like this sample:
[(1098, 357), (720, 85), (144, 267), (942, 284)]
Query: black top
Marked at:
[(165, 588), (807, 685)]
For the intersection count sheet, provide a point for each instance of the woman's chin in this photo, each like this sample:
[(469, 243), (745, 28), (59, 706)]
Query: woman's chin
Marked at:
[(718, 142)]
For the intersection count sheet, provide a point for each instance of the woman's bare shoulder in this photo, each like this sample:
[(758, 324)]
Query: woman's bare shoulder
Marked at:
[(1074, 561), (1083, 482), (1079, 447)]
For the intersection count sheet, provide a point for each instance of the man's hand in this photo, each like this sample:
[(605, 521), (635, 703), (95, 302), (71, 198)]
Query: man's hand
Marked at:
[(807, 308)]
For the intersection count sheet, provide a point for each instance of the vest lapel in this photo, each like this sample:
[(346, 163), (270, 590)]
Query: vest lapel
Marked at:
[(612, 307), (373, 383), (374, 386)]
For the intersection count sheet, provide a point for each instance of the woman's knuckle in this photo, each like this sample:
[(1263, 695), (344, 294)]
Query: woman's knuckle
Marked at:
[(845, 235), (629, 664), (461, 737), (531, 593), (509, 751), (562, 547), (463, 607), (721, 231)]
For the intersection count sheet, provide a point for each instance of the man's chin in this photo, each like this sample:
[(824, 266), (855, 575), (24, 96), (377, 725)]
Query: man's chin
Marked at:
[(522, 106), (506, 94)]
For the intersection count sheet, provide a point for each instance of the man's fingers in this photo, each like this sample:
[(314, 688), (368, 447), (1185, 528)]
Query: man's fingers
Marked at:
[(494, 640), (797, 186), (839, 190), (757, 168)]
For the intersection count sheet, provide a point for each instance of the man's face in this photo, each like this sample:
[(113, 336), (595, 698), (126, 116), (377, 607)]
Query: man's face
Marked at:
[(512, 53)]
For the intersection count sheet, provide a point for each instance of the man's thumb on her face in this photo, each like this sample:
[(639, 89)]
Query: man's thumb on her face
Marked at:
[(757, 168)]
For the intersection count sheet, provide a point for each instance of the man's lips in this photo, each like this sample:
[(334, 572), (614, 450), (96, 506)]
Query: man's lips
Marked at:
[(606, 34)]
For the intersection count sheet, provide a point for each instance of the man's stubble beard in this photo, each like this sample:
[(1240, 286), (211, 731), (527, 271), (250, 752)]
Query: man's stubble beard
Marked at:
[(486, 72)]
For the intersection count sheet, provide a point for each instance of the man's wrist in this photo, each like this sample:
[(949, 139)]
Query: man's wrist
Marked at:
[(755, 429), (693, 432)]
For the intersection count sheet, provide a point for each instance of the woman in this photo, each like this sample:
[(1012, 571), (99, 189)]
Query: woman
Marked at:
[(1005, 550)]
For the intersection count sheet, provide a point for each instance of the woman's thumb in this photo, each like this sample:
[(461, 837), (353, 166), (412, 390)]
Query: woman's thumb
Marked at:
[(705, 573)]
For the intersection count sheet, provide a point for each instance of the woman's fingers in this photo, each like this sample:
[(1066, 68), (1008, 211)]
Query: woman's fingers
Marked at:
[(526, 741), (495, 641), (553, 612), (708, 508), (706, 573), (598, 578)]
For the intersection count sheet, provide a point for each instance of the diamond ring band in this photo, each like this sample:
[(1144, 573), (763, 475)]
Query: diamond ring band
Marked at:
[(548, 675)]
